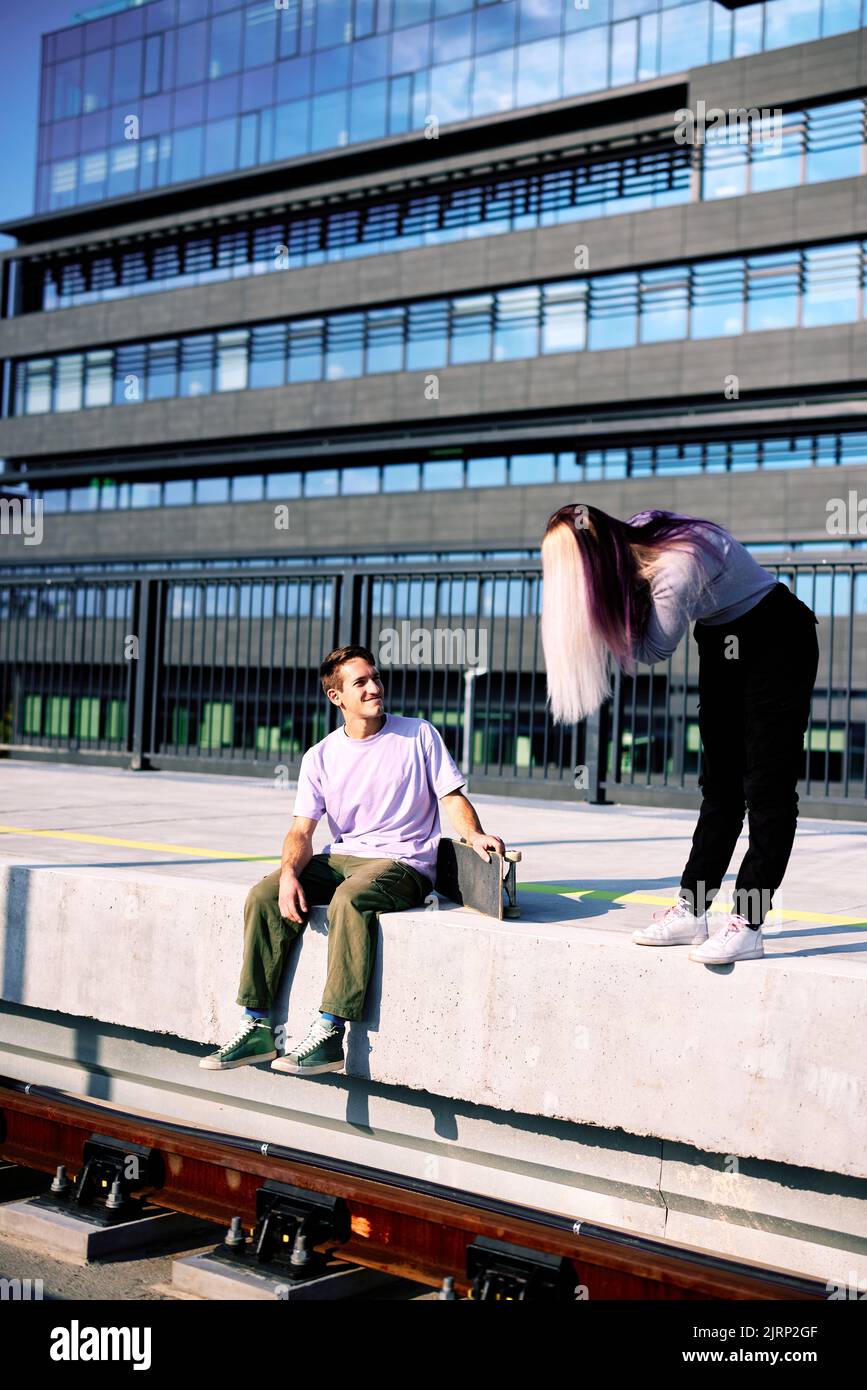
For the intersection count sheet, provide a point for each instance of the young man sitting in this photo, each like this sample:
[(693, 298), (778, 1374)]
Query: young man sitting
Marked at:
[(378, 778)]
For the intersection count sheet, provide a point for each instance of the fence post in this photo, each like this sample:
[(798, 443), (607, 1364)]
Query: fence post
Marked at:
[(347, 621), (596, 754), (146, 628), (616, 713)]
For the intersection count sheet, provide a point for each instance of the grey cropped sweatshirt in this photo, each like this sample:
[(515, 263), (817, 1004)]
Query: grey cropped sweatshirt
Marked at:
[(679, 595)]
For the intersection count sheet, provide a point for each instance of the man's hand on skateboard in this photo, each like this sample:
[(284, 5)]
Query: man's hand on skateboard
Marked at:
[(481, 843)]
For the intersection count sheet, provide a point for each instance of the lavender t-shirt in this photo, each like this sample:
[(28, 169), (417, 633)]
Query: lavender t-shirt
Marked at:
[(380, 794)]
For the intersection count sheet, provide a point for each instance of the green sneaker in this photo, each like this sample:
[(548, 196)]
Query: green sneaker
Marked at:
[(253, 1043), (321, 1050)]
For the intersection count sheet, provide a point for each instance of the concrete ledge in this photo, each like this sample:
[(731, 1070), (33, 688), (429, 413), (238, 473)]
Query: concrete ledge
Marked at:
[(775, 1213), (544, 1016)]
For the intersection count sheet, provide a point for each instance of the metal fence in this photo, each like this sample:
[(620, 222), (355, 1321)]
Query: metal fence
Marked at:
[(203, 671)]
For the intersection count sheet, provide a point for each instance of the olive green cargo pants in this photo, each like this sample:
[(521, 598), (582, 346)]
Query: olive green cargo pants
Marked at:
[(356, 889)]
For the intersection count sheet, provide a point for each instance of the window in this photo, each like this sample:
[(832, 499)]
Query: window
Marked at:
[(564, 316), (225, 55), (450, 91), (772, 291), (212, 490), (538, 73), (260, 34), (84, 499), (664, 304), (153, 61), (401, 477), (192, 55), (36, 389), (178, 492), (368, 111), (123, 169), (97, 382), (268, 355), (145, 494), (532, 468), (67, 89), (127, 79), (345, 346), (329, 120), (196, 375), (613, 312), (95, 94), (437, 476), (68, 391), (322, 483), (359, 480), (291, 129), (788, 24), (836, 141), (187, 150), (162, 378), (306, 342), (248, 488), (385, 340), (283, 485), (717, 299), (427, 335), (471, 328), (776, 153), (489, 472), (831, 284), (232, 360), (517, 324), (221, 139)]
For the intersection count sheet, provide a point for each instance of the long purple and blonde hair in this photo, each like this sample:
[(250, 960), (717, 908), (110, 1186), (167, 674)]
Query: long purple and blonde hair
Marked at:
[(596, 593)]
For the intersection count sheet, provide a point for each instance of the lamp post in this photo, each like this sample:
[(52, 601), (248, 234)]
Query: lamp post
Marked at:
[(469, 676)]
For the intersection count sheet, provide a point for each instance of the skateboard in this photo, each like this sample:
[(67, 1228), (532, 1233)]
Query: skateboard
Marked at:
[(464, 878)]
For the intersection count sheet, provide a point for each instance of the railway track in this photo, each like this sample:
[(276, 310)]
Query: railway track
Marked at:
[(366, 1216)]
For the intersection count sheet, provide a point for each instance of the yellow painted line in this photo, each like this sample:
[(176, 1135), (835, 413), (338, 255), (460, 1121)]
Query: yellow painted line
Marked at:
[(81, 838), (558, 889), (830, 919)]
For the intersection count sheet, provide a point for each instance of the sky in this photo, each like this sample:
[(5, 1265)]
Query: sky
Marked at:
[(22, 24)]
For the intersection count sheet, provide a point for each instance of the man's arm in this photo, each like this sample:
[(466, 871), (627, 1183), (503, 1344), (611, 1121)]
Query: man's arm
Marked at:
[(297, 851), (463, 817)]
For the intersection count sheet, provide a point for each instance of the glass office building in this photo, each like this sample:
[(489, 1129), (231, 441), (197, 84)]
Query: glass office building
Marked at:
[(210, 310), (174, 91)]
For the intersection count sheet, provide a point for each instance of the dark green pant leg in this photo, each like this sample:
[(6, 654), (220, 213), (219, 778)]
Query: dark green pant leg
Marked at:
[(268, 935), (370, 886)]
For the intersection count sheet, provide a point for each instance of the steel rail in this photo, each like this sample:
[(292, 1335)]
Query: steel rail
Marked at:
[(407, 1226)]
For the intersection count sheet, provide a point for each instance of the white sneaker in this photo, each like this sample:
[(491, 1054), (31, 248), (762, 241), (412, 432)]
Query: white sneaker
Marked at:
[(735, 940), (673, 926)]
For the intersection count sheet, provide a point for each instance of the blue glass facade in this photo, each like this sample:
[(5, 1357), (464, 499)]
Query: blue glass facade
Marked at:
[(179, 90)]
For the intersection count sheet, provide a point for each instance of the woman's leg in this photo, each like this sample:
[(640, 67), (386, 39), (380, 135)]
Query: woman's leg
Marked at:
[(780, 657), (721, 725)]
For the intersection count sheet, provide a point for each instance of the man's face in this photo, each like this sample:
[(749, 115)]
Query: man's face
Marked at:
[(362, 692)]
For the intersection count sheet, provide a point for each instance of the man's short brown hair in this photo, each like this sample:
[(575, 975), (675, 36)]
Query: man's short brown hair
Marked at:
[(334, 660)]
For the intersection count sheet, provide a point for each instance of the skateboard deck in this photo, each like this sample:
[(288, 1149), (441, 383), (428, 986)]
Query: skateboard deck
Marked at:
[(464, 878)]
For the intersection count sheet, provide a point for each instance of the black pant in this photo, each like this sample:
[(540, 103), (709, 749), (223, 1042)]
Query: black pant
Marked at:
[(754, 704)]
